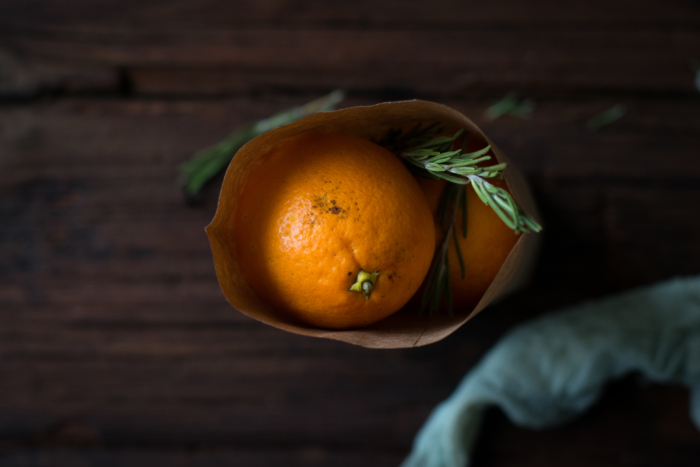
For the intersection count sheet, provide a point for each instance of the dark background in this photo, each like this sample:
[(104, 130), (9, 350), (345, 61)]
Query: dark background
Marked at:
[(117, 346)]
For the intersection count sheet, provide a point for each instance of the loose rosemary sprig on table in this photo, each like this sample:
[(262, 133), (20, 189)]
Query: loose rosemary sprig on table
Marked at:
[(208, 162), (606, 117), (511, 104), (432, 156)]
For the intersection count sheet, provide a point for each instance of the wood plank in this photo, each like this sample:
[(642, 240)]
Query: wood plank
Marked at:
[(22, 78), (218, 14), (643, 431), (222, 399), (249, 457), (153, 136), (453, 63), (463, 48)]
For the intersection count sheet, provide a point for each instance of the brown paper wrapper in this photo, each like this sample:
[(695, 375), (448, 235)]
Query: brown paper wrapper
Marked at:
[(404, 328)]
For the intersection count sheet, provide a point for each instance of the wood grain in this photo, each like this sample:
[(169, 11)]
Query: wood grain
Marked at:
[(451, 63), (112, 316), (220, 14), (452, 48), (116, 344)]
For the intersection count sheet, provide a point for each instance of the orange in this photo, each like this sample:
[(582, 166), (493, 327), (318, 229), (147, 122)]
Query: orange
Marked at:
[(484, 250), (321, 209), (487, 244)]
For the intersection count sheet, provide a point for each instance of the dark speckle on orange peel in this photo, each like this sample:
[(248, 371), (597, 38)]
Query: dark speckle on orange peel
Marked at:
[(318, 210)]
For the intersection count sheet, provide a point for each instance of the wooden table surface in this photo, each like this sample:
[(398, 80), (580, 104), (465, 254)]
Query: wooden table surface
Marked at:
[(117, 346)]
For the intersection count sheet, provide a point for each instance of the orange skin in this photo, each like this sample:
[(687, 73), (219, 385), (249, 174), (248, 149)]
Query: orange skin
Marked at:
[(319, 208), (488, 243)]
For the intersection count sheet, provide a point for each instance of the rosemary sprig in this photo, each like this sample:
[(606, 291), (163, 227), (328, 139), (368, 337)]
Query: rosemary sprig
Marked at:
[(606, 117), (511, 104), (208, 162), (430, 155)]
